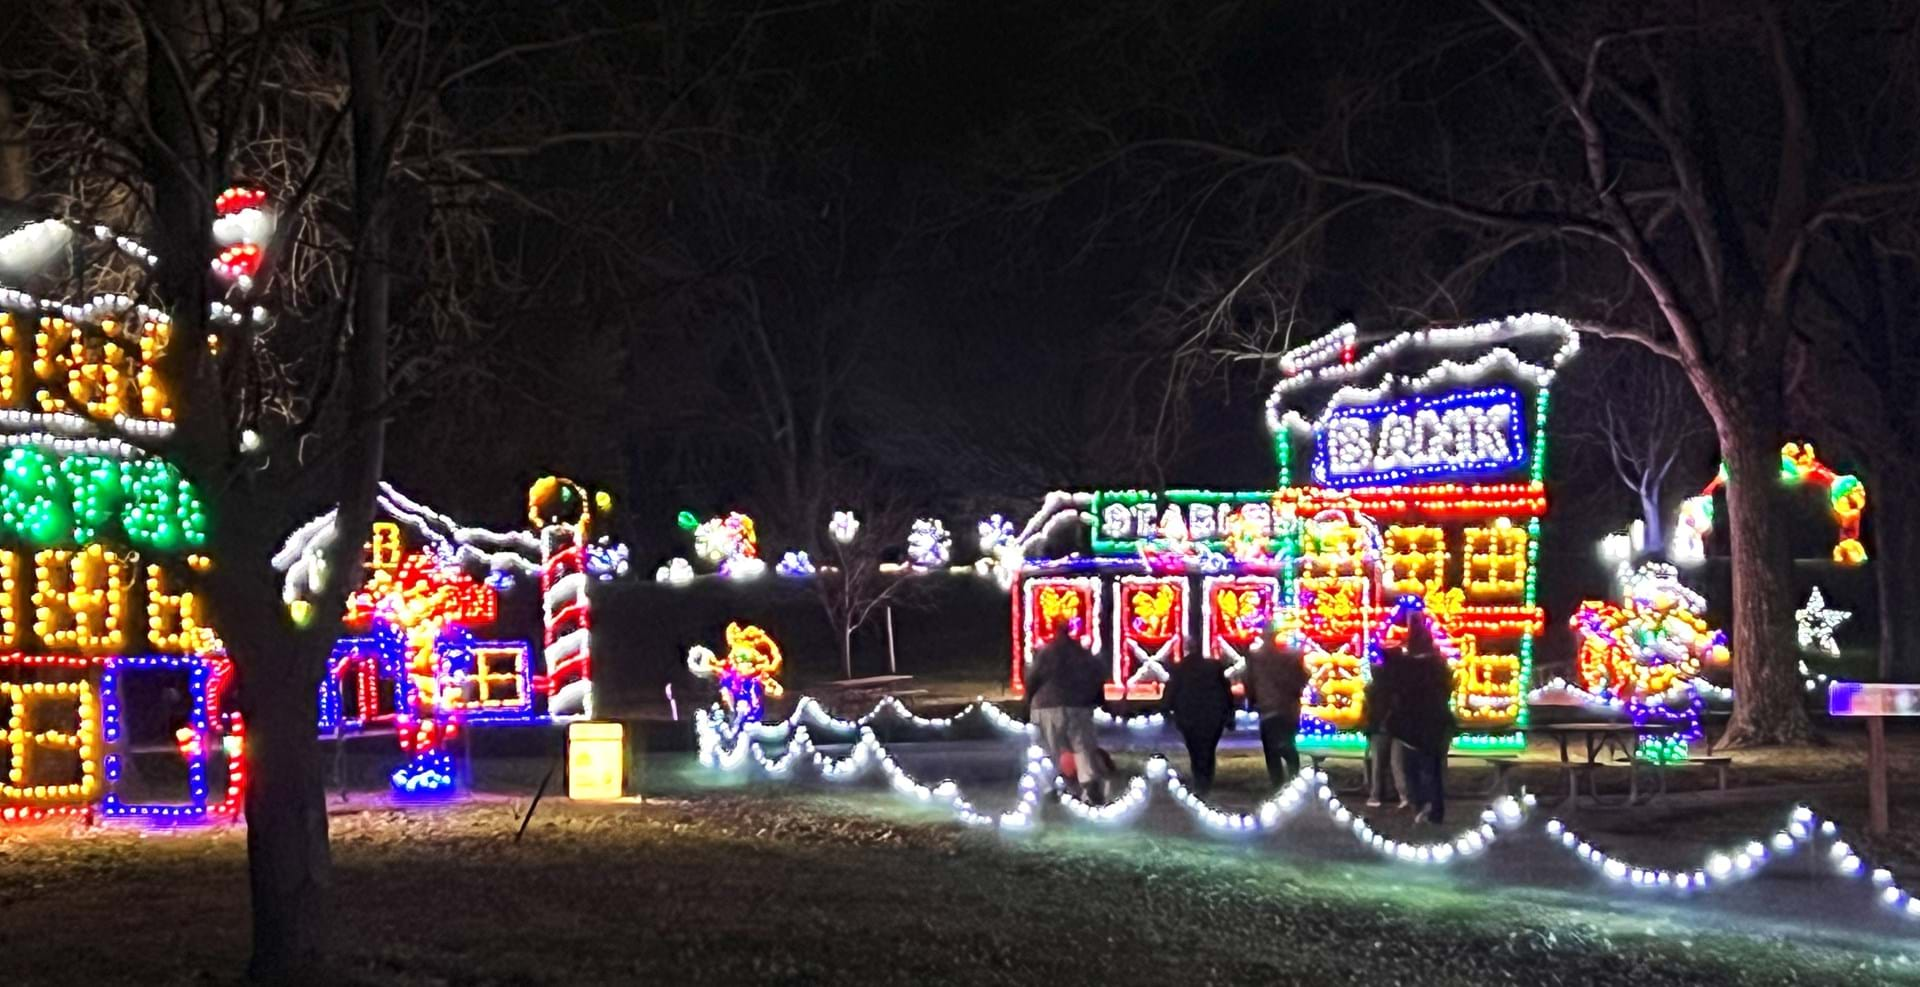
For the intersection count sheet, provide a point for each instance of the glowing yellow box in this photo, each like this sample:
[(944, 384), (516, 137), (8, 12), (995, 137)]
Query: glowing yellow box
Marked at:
[(596, 761)]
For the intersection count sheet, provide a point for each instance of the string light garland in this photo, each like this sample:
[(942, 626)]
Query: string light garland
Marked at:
[(736, 747), (1846, 501)]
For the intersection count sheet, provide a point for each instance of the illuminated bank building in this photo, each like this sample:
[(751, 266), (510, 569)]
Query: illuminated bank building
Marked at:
[(1408, 466)]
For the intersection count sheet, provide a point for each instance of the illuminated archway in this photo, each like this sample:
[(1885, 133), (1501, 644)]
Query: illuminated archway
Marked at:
[(1846, 499)]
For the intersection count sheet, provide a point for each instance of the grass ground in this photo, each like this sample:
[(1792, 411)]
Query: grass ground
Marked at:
[(737, 885), (733, 889)]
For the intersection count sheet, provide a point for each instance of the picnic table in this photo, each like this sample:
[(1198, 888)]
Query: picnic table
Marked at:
[(845, 694), (1623, 739), (1501, 762)]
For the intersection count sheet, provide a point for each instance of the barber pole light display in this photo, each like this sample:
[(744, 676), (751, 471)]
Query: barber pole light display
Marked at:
[(562, 513)]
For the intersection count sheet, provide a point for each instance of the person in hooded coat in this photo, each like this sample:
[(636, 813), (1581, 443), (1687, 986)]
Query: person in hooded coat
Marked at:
[(1201, 704), (1276, 675)]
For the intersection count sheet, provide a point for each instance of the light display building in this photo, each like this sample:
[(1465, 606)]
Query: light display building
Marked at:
[(1407, 465)]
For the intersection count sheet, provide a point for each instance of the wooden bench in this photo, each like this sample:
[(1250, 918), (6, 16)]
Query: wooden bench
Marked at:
[(1719, 763)]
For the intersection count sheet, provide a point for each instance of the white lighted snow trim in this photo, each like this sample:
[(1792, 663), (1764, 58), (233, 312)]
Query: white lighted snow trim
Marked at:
[(1315, 363), (302, 556), (1730, 865), (868, 754), (727, 749), (809, 711)]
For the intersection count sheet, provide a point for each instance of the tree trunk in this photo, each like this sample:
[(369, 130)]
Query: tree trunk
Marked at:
[(1655, 546), (1768, 707), (289, 865), (1893, 512)]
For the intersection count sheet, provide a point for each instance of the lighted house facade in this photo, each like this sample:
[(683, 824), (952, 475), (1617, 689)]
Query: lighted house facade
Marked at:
[(1407, 466)]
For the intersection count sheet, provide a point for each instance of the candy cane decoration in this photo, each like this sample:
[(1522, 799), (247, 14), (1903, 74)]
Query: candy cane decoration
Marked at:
[(562, 513)]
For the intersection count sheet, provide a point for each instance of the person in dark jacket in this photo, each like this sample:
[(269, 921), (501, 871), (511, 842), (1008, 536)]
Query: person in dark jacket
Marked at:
[(1064, 685), (1422, 719), (1276, 675), (1384, 754), (1201, 704)]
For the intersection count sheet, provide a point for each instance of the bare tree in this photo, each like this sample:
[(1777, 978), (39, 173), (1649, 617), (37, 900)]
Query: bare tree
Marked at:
[(1644, 416), (1665, 175), (851, 584), (389, 186)]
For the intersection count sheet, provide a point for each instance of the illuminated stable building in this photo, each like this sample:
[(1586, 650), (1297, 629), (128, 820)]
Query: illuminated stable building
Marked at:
[(1410, 465)]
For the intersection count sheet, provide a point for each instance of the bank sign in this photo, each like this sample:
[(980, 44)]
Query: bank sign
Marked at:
[(1458, 435)]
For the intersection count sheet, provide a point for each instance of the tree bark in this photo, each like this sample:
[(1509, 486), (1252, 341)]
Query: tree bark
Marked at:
[(1768, 707), (289, 863)]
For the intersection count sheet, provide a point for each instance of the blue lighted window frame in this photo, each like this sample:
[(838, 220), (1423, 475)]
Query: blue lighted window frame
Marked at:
[(1483, 397), (113, 671)]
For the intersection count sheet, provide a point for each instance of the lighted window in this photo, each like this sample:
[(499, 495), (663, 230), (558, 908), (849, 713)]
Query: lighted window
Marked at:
[(1416, 558), (1494, 560), (79, 599), (47, 717)]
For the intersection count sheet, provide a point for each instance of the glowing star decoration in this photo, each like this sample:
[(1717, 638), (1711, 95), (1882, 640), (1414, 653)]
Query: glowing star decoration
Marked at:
[(843, 527), (795, 565), (745, 675), (1817, 622), (1649, 653), (1150, 625), (1846, 500), (929, 546)]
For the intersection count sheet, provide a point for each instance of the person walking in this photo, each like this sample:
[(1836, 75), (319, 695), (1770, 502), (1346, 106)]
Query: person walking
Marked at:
[(1276, 675), (1422, 719), (1384, 754), (1201, 704), (1064, 685)]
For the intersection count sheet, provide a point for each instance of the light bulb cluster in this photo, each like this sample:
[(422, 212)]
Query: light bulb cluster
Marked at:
[(929, 545), (1458, 434), (32, 246), (1846, 501), (1329, 360), (25, 737)]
